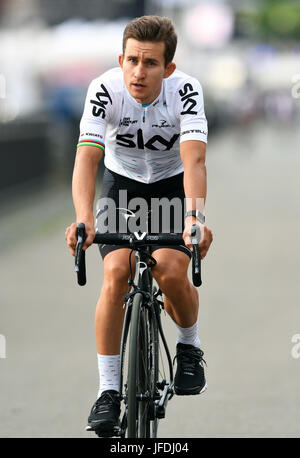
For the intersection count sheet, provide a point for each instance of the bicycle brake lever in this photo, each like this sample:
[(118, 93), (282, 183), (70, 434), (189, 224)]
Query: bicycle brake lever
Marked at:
[(196, 258), (80, 255)]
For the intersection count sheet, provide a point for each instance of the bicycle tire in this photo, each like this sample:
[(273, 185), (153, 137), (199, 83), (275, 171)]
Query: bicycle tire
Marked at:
[(143, 421), (153, 370), (132, 385), (148, 373), (142, 371), (143, 363)]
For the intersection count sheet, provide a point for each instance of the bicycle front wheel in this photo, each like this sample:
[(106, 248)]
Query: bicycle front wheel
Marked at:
[(140, 386)]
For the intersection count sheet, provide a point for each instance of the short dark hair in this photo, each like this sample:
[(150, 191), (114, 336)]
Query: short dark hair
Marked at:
[(153, 28)]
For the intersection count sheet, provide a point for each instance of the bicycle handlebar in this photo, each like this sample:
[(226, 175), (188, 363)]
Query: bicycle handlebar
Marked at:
[(135, 240)]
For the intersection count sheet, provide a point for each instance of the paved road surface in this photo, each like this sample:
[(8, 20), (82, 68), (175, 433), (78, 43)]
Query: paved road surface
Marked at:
[(249, 303)]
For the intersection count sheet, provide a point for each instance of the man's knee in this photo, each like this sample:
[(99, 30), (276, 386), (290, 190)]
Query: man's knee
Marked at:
[(169, 274), (116, 272)]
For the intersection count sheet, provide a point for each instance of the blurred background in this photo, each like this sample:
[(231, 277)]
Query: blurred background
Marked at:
[(246, 54)]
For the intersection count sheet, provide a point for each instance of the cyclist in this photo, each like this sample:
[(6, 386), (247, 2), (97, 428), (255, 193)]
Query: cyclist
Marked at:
[(149, 118)]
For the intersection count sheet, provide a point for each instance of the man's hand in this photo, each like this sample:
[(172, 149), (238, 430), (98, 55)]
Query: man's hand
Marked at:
[(70, 235), (206, 236)]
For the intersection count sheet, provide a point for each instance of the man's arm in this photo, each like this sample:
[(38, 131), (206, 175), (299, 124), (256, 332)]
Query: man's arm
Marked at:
[(193, 154), (83, 190), (84, 179)]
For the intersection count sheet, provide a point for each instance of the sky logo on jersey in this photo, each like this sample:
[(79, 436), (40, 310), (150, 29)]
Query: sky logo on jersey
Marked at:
[(186, 95), (128, 141), (103, 98)]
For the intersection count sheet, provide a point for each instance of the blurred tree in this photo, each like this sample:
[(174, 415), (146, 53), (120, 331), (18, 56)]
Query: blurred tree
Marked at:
[(269, 19)]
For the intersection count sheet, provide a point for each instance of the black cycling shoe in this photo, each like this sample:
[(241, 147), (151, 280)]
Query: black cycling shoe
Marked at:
[(190, 377), (104, 416)]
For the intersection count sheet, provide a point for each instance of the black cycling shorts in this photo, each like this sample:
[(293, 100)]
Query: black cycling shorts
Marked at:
[(126, 205)]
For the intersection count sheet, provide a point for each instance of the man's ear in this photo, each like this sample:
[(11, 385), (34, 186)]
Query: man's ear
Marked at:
[(121, 58), (169, 69)]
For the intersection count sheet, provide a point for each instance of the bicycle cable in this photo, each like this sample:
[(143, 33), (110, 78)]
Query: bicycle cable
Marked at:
[(148, 255)]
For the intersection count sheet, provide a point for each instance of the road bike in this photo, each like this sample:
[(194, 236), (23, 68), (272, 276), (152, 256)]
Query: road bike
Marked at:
[(145, 386)]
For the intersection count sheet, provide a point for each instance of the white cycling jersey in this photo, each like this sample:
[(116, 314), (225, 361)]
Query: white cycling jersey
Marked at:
[(142, 143)]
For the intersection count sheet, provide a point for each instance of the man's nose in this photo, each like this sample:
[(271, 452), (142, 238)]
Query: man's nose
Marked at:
[(140, 71)]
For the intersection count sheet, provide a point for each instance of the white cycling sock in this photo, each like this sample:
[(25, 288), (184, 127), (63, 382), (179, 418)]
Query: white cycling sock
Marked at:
[(188, 336), (109, 369)]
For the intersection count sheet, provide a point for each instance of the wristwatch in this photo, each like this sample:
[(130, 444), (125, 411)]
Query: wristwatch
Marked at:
[(197, 213)]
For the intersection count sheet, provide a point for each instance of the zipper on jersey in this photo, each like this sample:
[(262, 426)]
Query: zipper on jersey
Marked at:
[(144, 113)]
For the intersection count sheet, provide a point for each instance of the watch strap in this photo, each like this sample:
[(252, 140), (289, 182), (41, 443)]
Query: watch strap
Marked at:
[(197, 214)]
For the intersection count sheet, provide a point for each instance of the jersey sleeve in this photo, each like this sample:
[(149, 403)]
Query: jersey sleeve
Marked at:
[(193, 123), (96, 114)]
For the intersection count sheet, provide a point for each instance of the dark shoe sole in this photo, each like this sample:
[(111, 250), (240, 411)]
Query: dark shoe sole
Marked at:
[(190, 392), (104, 429)]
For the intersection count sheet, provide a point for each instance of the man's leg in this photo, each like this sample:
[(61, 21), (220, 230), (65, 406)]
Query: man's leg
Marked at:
[(181, 303), (109, 317), (109, 311), (181, 297)]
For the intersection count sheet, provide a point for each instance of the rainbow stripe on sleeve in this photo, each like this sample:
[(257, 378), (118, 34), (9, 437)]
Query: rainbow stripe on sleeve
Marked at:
[(91, 143)]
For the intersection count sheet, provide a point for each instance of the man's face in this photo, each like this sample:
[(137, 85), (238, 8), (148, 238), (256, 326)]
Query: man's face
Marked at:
[(143, 66)]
